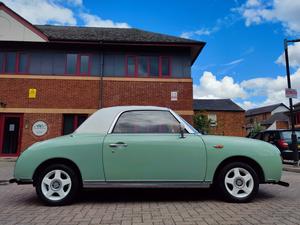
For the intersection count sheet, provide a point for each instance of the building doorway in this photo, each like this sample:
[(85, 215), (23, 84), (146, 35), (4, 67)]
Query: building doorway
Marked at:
[(10, 134)]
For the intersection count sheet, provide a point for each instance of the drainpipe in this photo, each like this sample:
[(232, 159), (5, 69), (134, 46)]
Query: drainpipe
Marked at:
[(101, 76)]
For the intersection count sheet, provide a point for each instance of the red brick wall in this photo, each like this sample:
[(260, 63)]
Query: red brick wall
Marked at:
[(54, 122), (228, 123), (85, 94), (258, 118), (148, 93), (82, 94)]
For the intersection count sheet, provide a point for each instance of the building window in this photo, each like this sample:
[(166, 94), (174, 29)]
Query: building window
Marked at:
[(10, 62), (145, 66), (71, 63), (165, 66), (1, 62), (14, 62), (71, 122), (84, 64), (131, 65), (212, 118), (23, 63), (154, 66), (78, 64)]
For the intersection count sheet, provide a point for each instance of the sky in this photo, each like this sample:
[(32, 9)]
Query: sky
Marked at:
[(243, 58)]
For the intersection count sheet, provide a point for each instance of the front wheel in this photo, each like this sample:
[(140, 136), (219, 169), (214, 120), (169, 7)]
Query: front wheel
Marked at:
[(238, 182), (57, 185)]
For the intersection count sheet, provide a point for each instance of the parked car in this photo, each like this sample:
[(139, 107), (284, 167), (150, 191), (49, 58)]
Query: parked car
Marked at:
[(281, 139), (141, 147)]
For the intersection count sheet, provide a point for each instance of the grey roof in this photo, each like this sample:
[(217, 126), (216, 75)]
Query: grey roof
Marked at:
[(107, 117), (109, 34), (264, 109), (216, 105), (280, 116)]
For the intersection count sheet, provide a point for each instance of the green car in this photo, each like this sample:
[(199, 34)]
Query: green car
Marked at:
[(142, 147)]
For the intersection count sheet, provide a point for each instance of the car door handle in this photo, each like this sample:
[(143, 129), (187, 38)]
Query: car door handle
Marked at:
[(118, 144)]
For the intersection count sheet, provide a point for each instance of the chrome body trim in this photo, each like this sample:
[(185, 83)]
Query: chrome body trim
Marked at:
[(147, 184)]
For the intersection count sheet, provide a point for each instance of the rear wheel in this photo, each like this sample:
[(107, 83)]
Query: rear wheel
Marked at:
[(238, 182), (57, 185)]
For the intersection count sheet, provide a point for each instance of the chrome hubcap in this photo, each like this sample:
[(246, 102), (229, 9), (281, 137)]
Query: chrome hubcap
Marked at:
[(56, 185), (239, 182)]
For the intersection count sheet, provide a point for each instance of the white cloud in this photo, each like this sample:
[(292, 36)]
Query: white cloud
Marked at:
[(95, 21), (200, 32), (294, 56), (271, 90), (285, 12), (210, 87), (226, 21), (247, 105), (74, 2), (43, 11), (234, 62), (58, 12)]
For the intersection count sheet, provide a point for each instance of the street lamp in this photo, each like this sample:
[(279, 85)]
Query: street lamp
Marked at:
[(288, 75)]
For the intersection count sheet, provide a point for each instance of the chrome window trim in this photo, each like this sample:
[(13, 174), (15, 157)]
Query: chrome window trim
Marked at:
[(189, 130)]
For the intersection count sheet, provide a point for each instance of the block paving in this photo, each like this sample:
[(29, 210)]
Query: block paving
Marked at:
[(273, 205)]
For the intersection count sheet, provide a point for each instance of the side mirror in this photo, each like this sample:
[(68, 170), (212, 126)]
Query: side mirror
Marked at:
[(182, 129)]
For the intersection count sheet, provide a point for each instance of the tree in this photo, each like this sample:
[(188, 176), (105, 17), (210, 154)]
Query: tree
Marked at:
[(201, 123), (256, 129)]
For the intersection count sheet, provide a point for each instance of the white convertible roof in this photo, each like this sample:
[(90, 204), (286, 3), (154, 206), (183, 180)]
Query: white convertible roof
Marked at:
[(101, 121)]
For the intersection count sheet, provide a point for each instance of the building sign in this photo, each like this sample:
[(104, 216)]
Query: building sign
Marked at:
[(290, 93), (173, 95), (11, 127), (32, 93), (39, 128)]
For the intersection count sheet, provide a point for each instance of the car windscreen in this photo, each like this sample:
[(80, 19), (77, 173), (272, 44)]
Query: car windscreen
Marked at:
[(287, 134)]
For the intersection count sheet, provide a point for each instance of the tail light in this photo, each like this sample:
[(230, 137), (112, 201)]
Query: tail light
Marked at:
[(282, 144)]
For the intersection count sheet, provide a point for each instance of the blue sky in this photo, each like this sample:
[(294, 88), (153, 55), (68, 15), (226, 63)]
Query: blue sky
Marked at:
[(244, 38)]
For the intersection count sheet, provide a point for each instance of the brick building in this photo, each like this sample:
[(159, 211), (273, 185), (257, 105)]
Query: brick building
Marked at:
[(269, 117), (53, 77), (226, 117)]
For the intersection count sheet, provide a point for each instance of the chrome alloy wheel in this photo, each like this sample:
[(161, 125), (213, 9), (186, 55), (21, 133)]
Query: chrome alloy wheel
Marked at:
[(56, 185), (239, 182)]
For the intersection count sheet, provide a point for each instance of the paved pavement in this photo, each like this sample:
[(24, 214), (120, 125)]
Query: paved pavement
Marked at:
[(274, 205)]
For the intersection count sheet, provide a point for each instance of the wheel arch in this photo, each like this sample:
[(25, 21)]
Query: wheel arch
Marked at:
[(52, 161), (251, 162)]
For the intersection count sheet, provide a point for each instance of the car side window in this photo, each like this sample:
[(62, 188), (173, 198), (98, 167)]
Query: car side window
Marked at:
[(268, 137), (147, 122)]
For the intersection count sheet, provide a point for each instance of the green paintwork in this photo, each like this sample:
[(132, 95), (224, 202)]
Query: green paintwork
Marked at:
[(154, 157), (148, 157)]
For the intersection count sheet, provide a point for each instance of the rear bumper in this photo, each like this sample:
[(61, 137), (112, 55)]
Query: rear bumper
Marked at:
[(288, 154)]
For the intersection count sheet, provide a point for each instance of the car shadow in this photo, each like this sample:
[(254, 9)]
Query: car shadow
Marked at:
[(147, 195), (129, 195)]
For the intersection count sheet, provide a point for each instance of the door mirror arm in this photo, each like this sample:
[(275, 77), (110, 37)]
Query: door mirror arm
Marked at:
[(181, 130)]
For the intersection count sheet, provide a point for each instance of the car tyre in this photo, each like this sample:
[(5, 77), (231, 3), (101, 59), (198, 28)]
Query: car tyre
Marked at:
[(57, 185), (238, 182)]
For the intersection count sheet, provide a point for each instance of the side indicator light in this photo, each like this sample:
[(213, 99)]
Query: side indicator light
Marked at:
[(218, 146)]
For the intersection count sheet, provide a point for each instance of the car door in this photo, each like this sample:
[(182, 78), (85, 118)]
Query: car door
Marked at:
[(146, 146)]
